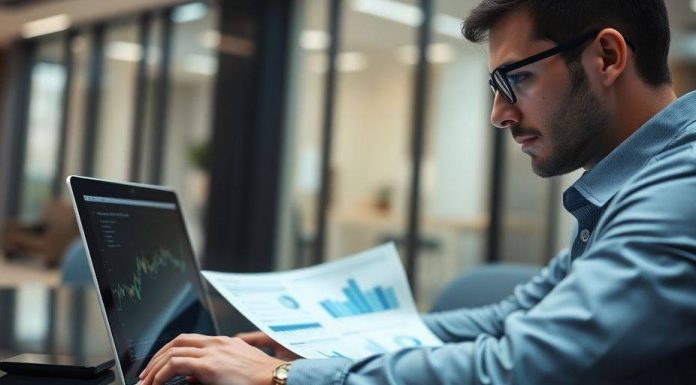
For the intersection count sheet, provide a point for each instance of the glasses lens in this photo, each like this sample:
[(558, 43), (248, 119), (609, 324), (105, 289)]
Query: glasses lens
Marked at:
[(492, 85), (504, 87)]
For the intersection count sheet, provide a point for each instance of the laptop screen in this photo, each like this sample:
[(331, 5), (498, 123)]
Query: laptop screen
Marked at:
[(148, 278)]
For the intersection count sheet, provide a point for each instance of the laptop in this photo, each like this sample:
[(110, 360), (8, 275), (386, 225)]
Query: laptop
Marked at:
[(148, 280)]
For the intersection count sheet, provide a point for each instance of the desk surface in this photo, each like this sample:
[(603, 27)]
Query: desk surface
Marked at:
[(41, 319)]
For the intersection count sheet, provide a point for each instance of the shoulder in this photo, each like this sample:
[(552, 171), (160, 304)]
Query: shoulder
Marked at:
[(659, 198)]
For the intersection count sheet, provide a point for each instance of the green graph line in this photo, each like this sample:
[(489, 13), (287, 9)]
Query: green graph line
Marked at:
[(146, 267)]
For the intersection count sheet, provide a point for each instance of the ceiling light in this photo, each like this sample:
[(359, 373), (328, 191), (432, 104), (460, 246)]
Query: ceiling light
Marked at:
[(391, 10), (200, 64), (45, 26), (314, 40), (125, 51), (411, 15), (189, 12)]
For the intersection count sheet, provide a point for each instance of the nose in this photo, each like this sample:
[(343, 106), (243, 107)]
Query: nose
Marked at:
[(504, 114)]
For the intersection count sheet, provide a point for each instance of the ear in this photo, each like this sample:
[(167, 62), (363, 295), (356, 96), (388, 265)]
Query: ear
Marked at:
[(610, 55)]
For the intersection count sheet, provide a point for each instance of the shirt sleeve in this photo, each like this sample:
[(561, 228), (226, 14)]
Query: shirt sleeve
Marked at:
[(466, 324), (618, 310)]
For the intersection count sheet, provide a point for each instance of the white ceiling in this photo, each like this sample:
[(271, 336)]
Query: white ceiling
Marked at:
[(360, 31), (79, 11)]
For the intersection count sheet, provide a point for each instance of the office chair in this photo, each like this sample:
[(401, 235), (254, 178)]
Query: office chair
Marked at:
[(75, 268), (482, 286)]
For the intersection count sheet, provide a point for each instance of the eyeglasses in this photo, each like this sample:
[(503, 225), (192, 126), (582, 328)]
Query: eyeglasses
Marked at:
[(500, 82)]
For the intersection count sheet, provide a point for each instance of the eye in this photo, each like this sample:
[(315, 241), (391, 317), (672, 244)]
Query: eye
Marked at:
[(518, 78)]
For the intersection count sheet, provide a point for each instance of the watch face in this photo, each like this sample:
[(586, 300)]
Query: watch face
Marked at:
[(281, 373)]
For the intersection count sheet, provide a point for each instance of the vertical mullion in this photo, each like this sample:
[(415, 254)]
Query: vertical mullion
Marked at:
[(20, 127), (495, 210), (160, 115), (140, 97), (68, 59), (93, 102), (328, 128), (417, 141)]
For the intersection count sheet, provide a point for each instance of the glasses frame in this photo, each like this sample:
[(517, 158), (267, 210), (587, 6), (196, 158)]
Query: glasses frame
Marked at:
[(498, 78)]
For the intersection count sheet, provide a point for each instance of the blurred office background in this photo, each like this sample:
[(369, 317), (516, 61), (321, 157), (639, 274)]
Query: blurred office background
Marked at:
[(295, 131)]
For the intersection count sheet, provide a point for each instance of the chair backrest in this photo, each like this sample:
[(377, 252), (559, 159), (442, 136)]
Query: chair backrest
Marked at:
[(75, 268), (482, 286)]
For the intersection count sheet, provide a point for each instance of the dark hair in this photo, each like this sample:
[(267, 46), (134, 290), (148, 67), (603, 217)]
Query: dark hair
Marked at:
[(644, 23)]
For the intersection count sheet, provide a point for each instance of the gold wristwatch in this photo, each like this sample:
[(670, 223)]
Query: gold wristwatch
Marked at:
[(280, 374)]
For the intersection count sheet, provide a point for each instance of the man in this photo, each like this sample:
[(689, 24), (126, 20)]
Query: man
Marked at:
[(578, 84)]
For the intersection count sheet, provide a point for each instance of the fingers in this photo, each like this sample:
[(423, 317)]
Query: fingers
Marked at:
[(188, 340), (163, 360), (226, 358), (165, 355), (176, 366)]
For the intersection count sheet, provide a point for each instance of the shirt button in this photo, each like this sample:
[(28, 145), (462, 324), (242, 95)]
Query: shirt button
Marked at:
[(585, 235)]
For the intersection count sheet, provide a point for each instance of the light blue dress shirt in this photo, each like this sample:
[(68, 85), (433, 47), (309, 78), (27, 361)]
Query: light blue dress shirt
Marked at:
[(617, 307)]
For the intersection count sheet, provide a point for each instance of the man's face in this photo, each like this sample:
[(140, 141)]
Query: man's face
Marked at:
[(557, 119)]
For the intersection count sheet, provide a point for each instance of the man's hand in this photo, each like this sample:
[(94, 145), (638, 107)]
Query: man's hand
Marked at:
[(211, 361), (262, 340)]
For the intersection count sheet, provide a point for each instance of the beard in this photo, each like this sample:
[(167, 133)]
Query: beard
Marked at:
[(579, 120)]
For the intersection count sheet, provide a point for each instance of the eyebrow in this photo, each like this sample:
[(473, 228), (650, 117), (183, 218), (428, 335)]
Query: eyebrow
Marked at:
[(517, 60), (506, 63)]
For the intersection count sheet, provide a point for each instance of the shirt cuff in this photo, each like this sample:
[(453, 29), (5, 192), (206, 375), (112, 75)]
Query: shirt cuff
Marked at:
[(329, 371)]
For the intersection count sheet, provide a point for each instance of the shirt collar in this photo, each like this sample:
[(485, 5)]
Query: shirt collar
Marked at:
[(605, 179)]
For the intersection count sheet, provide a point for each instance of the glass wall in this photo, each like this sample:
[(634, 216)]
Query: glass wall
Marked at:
[(132, 99), (153, 65), (122, 52), (456, 183), (48, 76), (371, 154), (370, 171), (305, 106), (81, 51), (189, 119), (371, 161)]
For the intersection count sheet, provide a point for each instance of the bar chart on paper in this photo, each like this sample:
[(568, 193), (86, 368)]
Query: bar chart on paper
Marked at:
[(354, 307), (358, 301)]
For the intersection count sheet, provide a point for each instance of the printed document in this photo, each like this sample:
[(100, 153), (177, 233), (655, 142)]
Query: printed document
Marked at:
[(354, 307)]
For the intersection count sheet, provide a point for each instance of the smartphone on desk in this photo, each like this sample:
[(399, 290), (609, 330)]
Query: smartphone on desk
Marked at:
[(56, 365)]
